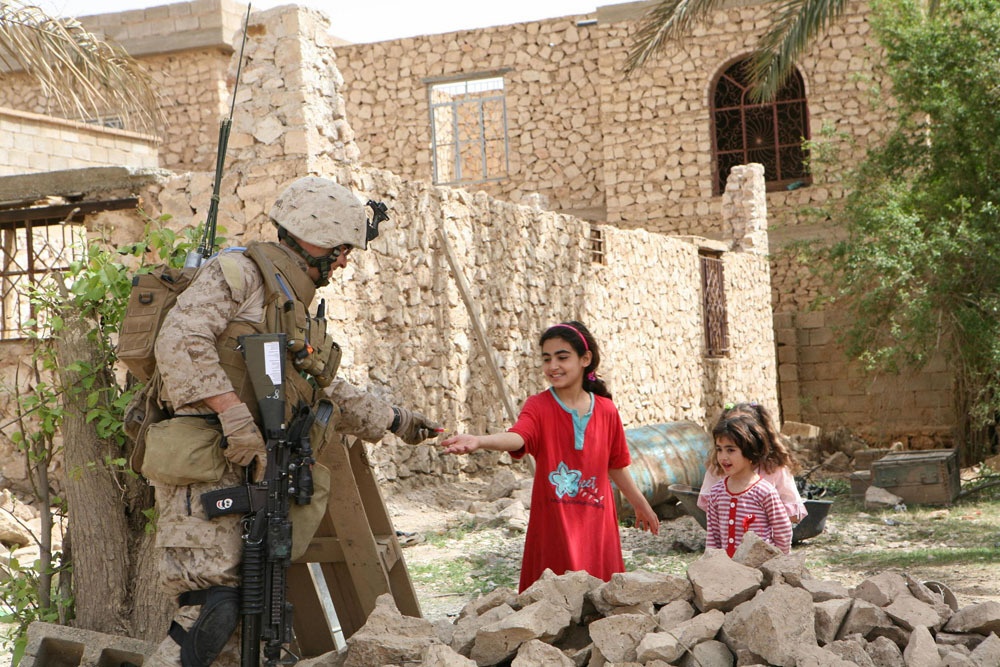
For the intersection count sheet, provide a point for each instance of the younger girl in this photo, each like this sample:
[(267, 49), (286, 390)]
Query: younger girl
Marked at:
[(742, 501), (777, 467), (575, 434)]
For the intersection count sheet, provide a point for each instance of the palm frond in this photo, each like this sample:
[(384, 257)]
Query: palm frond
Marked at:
[(666, 20), (796, 25), (85, 76)]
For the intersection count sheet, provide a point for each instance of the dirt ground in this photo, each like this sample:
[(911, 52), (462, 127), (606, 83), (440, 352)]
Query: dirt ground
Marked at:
[(432, 509)]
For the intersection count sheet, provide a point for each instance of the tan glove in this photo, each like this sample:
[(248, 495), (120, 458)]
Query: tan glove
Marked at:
[(244, 443), (412, 427)]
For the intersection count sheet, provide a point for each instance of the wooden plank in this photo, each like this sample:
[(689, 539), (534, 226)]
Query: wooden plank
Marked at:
[(398, 580), (347, 511), (477, 324)]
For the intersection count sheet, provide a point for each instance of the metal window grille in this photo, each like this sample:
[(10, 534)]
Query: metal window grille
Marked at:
[(597, 254), (770, 134), (713, 291), (31, 252), (469, 131)]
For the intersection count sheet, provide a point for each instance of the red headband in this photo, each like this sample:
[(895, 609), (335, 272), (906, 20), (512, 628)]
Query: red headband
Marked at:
[(586, 348)]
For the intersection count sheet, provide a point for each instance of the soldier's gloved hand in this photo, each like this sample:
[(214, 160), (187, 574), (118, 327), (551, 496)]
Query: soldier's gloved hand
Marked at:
[(243, 438), (412, 427)]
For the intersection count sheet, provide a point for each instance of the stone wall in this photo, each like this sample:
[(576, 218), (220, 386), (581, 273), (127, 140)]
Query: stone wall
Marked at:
[(185, 49), (406, 331), (31, 143), (637, 152)]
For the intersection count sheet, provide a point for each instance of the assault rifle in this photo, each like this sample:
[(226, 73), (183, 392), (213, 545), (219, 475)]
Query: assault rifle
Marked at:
[(206, 248), (267, 530)]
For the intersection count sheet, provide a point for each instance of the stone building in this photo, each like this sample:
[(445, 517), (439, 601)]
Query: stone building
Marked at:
[(672, 350), (541, 112)]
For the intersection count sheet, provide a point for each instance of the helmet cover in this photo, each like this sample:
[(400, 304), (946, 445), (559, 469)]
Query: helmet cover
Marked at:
[(321, 212)]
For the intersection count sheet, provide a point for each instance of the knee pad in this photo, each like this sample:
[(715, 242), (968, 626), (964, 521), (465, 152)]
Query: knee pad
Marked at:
[(220, 613)]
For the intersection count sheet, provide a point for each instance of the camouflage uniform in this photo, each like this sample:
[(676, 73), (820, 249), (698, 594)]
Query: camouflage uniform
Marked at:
[(197, 552)]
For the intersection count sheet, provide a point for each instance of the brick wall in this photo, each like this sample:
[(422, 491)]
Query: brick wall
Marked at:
[(31, 143)]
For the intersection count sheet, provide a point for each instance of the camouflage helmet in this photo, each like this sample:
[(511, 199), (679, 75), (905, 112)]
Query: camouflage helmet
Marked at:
[(321, 212)]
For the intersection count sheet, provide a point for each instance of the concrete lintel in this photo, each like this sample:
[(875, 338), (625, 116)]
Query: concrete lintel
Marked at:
[(71, 181)]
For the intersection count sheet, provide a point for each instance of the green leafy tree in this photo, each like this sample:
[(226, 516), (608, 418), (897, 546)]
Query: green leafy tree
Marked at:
[(84, 76), (919, 266), (795, 25)]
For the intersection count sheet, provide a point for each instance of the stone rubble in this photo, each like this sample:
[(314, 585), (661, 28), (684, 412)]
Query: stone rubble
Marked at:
[(758, 608)]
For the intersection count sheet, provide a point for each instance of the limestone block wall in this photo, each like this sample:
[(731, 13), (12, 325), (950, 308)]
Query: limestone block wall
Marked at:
[(185, 49), (408, 337), (31, 143), (551, 86)]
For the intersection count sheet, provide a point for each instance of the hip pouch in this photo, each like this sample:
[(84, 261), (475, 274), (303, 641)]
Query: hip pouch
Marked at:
[(184, 450)]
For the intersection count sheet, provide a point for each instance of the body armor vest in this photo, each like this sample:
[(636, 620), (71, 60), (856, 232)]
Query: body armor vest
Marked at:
[(287, 293)]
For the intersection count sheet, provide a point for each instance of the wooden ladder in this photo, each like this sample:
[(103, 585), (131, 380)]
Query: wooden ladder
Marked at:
[(357, 551)]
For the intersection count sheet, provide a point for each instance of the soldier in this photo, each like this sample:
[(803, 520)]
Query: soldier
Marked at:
[(268, 287)]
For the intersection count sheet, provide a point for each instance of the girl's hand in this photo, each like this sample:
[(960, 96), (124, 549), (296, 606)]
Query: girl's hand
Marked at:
[(460, 444), (646, 519)]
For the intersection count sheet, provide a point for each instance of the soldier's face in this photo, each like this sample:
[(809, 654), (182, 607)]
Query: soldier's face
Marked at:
[(318, 252)]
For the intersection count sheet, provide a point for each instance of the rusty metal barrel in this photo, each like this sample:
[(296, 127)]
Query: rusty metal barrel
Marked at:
[(665, 454)]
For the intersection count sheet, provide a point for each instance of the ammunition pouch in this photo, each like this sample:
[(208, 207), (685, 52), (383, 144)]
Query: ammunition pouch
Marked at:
[(184, 450), (144, 410)]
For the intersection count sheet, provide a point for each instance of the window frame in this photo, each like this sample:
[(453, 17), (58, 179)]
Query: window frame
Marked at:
[(481, 138), (783, 182)]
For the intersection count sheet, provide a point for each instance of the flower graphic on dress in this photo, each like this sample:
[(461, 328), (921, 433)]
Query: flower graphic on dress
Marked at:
[(566, 481)]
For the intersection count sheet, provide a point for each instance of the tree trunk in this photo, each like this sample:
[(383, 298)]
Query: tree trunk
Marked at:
[(114, 573)]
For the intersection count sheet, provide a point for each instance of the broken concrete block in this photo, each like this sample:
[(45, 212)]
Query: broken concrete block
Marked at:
[(438, 655), (988, 652), (876, 497), (719, 583), (571, 590), (823, 590), (494, 598), (852, 650), (814, 656), (673, 613), (467, 627), (791, 567), (775, 623), (864, 618), (800, 430), (881, 589), (709, 653), (536, 653), (388, 637), (885, 653), (670, 645), (754, 552), (617, 637), (921, 651), (909, 612), (499, 641), (630, 588), (982, 617), (829, 616)]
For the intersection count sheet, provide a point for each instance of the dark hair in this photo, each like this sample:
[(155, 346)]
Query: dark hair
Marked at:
[(582, 341), (751, 427)]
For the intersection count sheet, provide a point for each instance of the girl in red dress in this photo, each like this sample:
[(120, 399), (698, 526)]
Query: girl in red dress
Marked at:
[(576, 437)]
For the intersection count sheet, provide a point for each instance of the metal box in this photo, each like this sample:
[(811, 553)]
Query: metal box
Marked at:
[(928, 477)]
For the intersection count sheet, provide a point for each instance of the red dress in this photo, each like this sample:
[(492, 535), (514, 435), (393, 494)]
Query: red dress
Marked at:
[(573, 524)]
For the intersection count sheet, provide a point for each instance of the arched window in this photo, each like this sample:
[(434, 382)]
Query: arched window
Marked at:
[(770, 134)]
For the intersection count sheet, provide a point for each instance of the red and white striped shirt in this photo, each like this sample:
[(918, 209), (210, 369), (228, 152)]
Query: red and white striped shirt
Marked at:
[(758, 508)]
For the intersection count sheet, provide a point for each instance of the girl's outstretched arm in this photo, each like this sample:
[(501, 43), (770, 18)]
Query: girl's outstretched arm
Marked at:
[(645, 517), (466, 444)]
